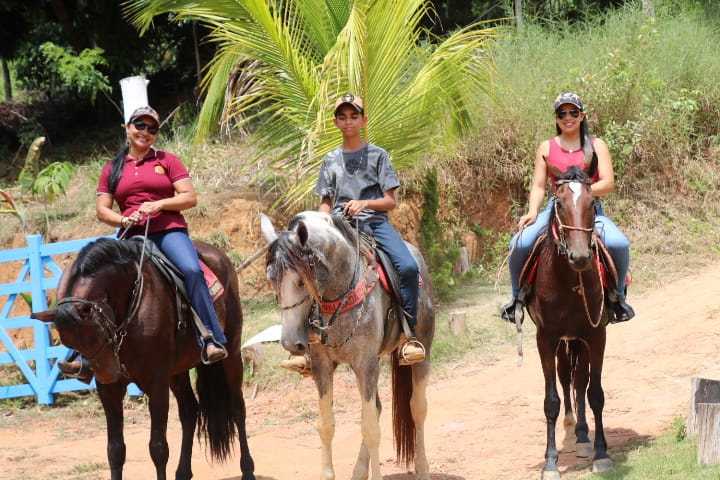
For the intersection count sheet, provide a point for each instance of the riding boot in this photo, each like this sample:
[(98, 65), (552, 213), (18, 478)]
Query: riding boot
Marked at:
[(508, 311), (76, 366), (412, 350), (622, 311), (299, 364), (212, 351)]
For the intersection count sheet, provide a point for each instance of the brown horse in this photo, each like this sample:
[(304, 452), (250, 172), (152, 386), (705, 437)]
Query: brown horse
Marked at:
[(567, 306), (334, 309), (119, 312)]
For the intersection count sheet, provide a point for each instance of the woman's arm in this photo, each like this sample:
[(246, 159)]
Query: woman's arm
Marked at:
[(537, 186)]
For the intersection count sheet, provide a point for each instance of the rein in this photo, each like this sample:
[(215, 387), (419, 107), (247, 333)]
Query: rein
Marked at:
[(115, 334), (558, 231)]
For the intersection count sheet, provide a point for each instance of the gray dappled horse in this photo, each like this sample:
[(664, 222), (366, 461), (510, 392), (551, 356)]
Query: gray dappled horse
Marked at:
[(317, 270)]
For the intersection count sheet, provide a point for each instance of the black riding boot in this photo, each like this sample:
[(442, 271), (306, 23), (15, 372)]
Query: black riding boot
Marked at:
[(508, 311), (622, 311)]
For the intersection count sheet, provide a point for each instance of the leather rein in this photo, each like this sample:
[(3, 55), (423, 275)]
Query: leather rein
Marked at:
[(559, 234)]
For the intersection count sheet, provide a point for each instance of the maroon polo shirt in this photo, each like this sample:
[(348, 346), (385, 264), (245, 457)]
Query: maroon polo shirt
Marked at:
[(147, 180)]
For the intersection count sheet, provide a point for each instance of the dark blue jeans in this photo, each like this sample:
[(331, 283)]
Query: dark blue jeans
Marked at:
[(393, 244), (177, 246)]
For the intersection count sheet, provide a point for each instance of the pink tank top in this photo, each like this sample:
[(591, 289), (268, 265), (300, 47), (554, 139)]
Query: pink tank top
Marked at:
[(562, 159)]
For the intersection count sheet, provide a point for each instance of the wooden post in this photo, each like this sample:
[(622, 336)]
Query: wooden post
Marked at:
[(702, 390), (457, 323), (708, 423)]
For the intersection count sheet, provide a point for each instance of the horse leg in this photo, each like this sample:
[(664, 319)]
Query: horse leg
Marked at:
[(111, 397), (565, 376), (601, 460), (418, 410), (583, 447), (547, 347), (367, 376), (159, 400), (326, 420), (187, 411)]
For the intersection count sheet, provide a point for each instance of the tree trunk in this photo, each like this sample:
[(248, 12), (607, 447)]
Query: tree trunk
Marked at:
[(708, 433), (648, 8), (6, 79), (518, 13)]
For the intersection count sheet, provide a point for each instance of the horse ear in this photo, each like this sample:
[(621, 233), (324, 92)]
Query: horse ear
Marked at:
[(48, 316), (302, 233), (267, 228), (554, 171)]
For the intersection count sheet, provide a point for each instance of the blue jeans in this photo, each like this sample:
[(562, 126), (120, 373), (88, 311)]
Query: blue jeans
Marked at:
[(613, 238), (405, 264), (177, 246)]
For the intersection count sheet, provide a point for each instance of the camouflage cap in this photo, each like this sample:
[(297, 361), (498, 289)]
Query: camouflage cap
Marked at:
[(568, 97)]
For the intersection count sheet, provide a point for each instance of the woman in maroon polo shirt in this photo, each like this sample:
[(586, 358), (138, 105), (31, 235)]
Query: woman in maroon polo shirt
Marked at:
[(154, 186)]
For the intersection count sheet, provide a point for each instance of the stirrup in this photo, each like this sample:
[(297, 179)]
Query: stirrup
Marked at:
[(410, 359), (294, 364), (220, 352)]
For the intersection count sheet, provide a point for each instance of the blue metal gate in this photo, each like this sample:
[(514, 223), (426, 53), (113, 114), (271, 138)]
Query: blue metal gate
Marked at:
[(38, 273)]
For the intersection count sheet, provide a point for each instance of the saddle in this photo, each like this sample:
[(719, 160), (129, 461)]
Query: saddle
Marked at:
[(175, 277), (608, 272)]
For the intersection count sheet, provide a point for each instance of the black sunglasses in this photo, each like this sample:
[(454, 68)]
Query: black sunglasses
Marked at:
[(140, 126), (563, 113)]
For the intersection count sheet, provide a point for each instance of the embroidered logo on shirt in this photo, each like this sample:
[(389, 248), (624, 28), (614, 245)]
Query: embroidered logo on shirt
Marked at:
[(159, 170)]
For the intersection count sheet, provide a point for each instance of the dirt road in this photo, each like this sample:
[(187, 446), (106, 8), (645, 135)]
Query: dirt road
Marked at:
[(485, 417)]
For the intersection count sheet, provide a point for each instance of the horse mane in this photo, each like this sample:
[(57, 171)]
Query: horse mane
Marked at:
[(104, 252), (575, 174)]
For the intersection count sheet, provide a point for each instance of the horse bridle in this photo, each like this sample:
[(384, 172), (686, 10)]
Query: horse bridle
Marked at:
[(115, 334), (562, 228), (562, 249), (315, 318)]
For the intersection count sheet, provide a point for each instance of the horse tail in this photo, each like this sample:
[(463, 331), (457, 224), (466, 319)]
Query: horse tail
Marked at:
[(403, 424), (215, 421)]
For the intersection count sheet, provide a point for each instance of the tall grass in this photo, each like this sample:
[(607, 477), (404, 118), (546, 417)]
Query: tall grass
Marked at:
[(651, 92)]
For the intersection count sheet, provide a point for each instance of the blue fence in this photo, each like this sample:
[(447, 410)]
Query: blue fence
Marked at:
[(38, 273)]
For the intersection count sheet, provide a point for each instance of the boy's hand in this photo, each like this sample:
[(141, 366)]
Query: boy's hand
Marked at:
[(354, 207)]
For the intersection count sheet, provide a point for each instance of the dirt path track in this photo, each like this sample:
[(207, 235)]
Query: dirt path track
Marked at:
[(485, 420)]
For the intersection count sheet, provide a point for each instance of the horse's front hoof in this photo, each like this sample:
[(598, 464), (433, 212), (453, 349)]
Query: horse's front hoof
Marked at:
[(583, 450), (602, 465), (550, 475)]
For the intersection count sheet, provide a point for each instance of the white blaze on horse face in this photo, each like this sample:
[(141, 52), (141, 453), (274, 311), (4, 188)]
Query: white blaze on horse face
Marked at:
[(576, 188)]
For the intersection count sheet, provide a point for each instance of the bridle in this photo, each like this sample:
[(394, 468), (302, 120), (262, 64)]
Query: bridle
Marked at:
[(559, 235), (315, 317), (114, 334)]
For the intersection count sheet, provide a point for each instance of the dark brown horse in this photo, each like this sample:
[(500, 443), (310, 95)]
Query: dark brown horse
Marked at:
[(334, 309), (567, 306), (117, 310)]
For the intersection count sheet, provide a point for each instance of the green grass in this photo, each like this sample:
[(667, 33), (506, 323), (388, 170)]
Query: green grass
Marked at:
[(671, 456)]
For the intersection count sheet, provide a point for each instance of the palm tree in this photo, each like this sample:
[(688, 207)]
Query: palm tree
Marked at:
[(289, 59)]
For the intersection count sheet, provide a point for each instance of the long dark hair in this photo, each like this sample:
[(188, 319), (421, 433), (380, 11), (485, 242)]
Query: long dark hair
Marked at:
[(118, 165)]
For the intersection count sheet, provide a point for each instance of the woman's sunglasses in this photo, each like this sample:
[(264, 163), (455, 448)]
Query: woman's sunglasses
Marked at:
[(563, 113), (140, 126)]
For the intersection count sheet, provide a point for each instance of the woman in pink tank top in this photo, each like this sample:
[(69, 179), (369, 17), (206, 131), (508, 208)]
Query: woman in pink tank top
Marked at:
[(571, 146)]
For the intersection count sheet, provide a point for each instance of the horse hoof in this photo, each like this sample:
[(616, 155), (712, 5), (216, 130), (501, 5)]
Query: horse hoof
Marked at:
[(550, 475), (583, 450), (602, 465)]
